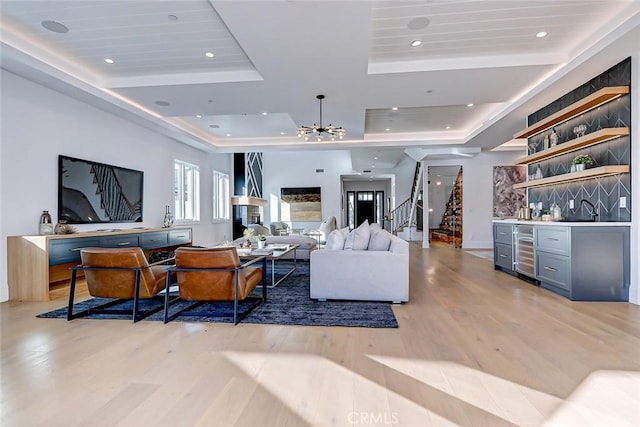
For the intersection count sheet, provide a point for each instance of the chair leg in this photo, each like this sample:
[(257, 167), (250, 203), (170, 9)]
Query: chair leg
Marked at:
[(72, 291)]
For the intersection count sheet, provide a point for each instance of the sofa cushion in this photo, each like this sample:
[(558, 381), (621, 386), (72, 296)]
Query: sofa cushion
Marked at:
[(335, 241), (374, 226), (380, 240), (358, 238)]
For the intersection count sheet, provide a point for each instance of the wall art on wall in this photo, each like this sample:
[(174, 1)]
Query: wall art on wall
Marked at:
[(301, 204), (506, 199)]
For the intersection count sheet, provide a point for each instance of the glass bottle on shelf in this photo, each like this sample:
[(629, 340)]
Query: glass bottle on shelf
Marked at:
[(554, 137), (538, 172), (546, 142)]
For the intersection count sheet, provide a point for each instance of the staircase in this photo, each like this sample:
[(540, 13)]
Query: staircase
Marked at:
[(406, 218), (450, 229)]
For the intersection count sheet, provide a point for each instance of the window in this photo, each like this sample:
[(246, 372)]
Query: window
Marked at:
[(220, 196), (186, 191)]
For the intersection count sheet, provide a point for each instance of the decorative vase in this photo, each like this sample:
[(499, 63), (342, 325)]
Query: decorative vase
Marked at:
[(45, 227), (580, 167), (168, 217), (60, 226), (261, 244)]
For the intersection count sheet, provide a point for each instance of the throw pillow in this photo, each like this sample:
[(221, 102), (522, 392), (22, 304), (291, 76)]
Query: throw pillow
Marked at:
[(358, 239), (380, 240), (335, 241), (375, 226)]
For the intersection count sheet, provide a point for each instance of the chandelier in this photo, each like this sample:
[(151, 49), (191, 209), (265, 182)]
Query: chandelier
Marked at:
[(333, 131)]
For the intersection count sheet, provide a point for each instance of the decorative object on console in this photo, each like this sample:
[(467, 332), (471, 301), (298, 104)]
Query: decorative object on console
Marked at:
[(63, 228), (332, 131), (301, 204), (168, 217), (262, 239), (45, 227)]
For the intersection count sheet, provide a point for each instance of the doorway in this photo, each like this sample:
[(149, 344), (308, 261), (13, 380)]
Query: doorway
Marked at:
[(365, 207), (445, 204)]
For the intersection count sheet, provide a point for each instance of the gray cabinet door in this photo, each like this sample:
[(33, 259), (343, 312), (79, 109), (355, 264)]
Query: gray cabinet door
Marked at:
[(554, 269), (553, 239), (503, 256), (180, 237), (121, 241), (68, 250), (503, 233), (158, 239)]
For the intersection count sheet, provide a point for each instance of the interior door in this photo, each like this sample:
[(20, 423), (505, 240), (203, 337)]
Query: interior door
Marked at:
[(365, 207)]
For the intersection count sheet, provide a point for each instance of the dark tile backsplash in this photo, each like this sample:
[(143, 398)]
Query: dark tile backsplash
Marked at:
[(604, 192)]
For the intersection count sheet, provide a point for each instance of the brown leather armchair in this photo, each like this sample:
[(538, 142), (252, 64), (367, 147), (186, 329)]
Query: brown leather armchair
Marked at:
[(118, 274), (215, 274)]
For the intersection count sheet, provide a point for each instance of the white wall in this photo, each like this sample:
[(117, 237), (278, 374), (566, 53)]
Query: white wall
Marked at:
[(477, 194), (298, 169), (38, 124)]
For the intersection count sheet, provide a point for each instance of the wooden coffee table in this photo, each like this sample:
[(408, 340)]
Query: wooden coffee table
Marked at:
[(274, 253)]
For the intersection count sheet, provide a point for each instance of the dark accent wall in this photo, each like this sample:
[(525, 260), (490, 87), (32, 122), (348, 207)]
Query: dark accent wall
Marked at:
[(604, 192)]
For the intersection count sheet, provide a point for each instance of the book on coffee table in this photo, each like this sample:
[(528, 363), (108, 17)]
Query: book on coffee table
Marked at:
[(262, 251), (278, 247)]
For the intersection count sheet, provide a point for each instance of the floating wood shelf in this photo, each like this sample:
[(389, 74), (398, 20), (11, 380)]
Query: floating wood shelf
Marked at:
[(575, 176), (584, 141), (590, 102)]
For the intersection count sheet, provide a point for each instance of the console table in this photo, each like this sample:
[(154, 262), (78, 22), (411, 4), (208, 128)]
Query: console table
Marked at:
[(37, 264)]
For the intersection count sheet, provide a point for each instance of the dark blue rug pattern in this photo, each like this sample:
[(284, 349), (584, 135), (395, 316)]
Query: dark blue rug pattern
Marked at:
[(287, 304)]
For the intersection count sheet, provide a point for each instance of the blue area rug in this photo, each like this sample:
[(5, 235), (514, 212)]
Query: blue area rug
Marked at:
[(287, 304)]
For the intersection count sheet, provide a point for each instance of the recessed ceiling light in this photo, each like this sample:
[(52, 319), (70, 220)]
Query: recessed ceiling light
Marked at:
[(469, 105), (209, 55), (228, 134), (387, 129), (448, 127), (172, 17), (395, 108), (199, 116), (438, 183), (415, 43), (162, 103), (54, 26), (418, 23), (109, 60), (541, 34), (375, 158), (264, 113), (281, 133)]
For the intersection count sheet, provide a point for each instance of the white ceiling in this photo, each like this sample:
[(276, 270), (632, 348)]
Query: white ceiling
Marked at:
[(274, 57)]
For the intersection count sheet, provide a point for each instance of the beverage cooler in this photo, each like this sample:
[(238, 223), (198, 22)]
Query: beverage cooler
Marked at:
[(525, 258)]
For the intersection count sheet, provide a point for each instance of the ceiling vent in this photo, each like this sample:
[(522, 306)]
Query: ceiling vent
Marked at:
[(319, 170), (366, 171)]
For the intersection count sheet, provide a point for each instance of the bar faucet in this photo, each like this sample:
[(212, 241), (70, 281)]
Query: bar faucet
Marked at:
[(594, 211)]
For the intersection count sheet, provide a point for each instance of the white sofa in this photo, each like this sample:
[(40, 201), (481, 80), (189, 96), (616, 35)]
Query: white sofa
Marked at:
[(361, 274)]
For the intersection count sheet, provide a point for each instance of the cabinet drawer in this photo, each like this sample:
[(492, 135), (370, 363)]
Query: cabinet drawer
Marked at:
[(154, 240), (553, 269), (68, 250), (503, 256), (179, 237), (553, 239), (503, 233), (123, 241)]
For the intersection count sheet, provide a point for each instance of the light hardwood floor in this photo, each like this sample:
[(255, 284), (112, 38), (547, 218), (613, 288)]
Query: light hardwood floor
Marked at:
[(475, 347)]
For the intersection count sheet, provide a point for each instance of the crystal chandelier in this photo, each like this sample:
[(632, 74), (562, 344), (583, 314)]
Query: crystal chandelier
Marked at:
[(333, 131)]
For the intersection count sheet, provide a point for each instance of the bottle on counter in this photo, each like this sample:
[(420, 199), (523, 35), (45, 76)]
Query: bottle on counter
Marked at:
[(546, 142), (556, 213)]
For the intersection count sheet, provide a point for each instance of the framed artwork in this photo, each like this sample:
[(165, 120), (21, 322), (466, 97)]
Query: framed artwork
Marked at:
[(301, 204), (506, 199)]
